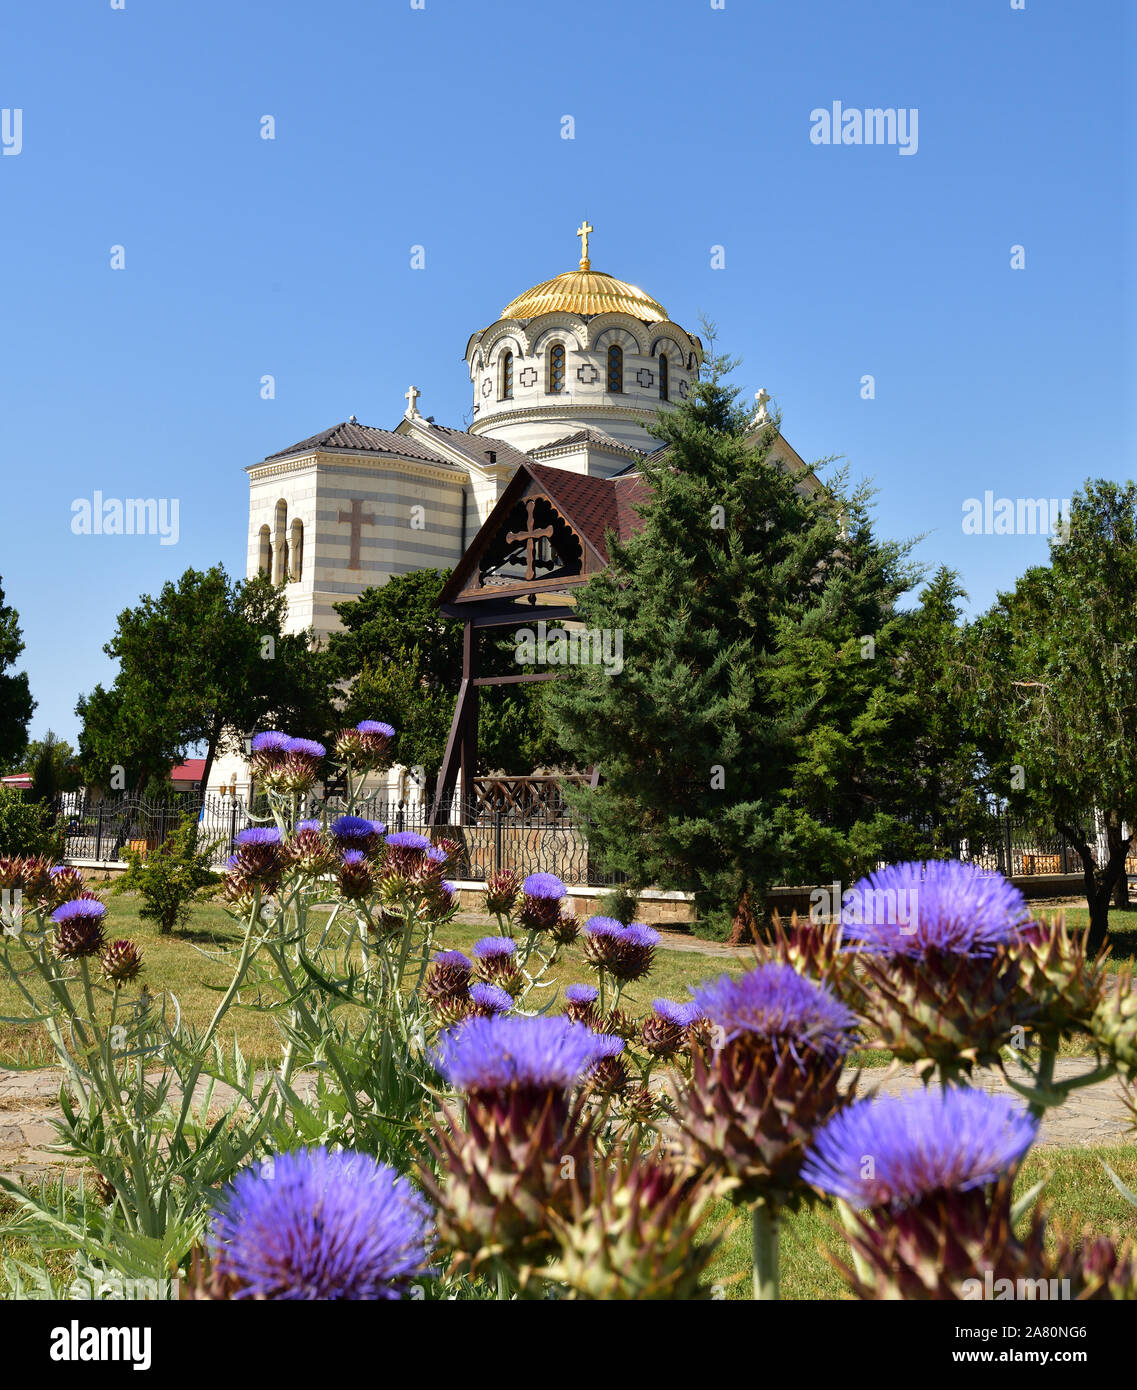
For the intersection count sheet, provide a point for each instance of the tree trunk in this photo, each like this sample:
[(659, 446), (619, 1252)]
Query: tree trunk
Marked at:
[(1099, 883), (744, 928), (215, 734), (1118, 846)]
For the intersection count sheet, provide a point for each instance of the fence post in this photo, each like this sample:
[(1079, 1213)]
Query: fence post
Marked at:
[(1062, 855), (99, 835), (497, 841), (232, 823), (1010, 847)]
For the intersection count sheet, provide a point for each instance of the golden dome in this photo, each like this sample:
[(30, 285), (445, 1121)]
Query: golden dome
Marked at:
[(586, 292)]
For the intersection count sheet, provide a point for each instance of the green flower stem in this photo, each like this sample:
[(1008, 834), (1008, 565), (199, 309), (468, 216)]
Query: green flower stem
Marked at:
[(765, 1253)]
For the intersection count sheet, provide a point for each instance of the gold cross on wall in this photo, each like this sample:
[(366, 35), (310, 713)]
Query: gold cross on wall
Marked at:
[(357, 517), (530, 537), (582, 231)]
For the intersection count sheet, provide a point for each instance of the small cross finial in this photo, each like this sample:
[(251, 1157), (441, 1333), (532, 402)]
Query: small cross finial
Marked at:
[(762, 396), (582, 231), (412, 400)]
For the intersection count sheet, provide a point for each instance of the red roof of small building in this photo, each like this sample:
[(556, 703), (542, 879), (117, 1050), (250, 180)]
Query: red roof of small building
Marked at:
[(189, 771), (17, 779)]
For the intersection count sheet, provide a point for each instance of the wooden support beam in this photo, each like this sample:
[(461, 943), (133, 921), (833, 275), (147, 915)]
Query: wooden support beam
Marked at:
[(522, 679), (448, 772), (469, 737)]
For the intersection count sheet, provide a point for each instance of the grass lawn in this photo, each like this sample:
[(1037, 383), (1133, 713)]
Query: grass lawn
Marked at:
[(1078, 1194), (193, 966)]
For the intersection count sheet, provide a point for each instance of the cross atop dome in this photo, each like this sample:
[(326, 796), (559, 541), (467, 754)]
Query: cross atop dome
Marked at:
[(582, 231)]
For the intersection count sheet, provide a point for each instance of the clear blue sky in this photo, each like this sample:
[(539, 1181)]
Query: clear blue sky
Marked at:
[(442, 127)]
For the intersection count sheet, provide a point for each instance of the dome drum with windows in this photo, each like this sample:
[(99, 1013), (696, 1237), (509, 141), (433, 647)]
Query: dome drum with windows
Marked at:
[(582, 351)]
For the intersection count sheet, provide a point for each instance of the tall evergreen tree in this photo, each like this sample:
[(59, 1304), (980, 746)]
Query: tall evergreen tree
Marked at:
[(740, 745), (16, 703)]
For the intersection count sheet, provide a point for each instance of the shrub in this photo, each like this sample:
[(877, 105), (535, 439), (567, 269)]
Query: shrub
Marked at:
[(621, 903), (27, 827), (171, 878)]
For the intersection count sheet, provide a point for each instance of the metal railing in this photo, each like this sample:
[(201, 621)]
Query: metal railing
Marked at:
[(542, 838)]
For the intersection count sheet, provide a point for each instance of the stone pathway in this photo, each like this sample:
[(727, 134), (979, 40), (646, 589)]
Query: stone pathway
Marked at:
[(1095, 1115)]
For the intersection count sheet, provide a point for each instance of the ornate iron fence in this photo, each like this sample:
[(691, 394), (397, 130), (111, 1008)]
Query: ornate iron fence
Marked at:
[(541, 837)]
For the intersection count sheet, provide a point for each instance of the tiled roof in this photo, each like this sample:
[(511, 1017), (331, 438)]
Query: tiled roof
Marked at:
[(351, 437), (588, 436), (478, 446), (189, 771), (595, 506)]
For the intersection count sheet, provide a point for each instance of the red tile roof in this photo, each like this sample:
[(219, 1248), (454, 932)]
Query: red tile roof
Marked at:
[(189, 771)]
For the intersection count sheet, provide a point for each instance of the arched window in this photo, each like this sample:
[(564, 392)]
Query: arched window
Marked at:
[(663, 386), (280, 543), (296, 550), (615, 368), (264, 551), (507, 376), (557, 367)]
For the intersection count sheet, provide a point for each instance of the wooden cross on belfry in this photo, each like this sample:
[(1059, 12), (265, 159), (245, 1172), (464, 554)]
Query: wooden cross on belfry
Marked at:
[(357, 517), (530, 537)]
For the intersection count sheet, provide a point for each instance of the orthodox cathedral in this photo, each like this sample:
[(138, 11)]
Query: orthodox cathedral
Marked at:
[(569, 375), (567, 378)]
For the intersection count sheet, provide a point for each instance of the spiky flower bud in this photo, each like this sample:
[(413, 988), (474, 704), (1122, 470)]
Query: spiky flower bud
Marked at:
[(770, 1081), (66, 884), (541, 902), (309, 850), (514, 1158), (78, 928), (1114, 1024), (259, 856), (565, 929), (1061, 988), (354, 832), (608, 1075), (941, 982), (935, 1170), (638, 1234), (366, 747), (449, 976), (625, 952), (664, 1031), (502, 892), (356, 875), (580, 1004), (817, 950), (403, 857), (495, 962), (488, 1000), (122, 961)]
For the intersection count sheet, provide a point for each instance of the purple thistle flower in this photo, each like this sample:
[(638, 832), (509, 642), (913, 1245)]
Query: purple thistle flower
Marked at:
[(581, 994), (375, 726), (308, 825), (80, 909), (544, 886), (943, 905), (258, 835), (307, 748), (681, 1015), (436, 855), (408, 839), (490, 999), (625, 952), (490, 946), (919, 1144), (607, 1045), (778, 1005), (453, 958), (320, 1225), (352, 857), (493, 1054), (603, 926), (271, 741), (356, 828)]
